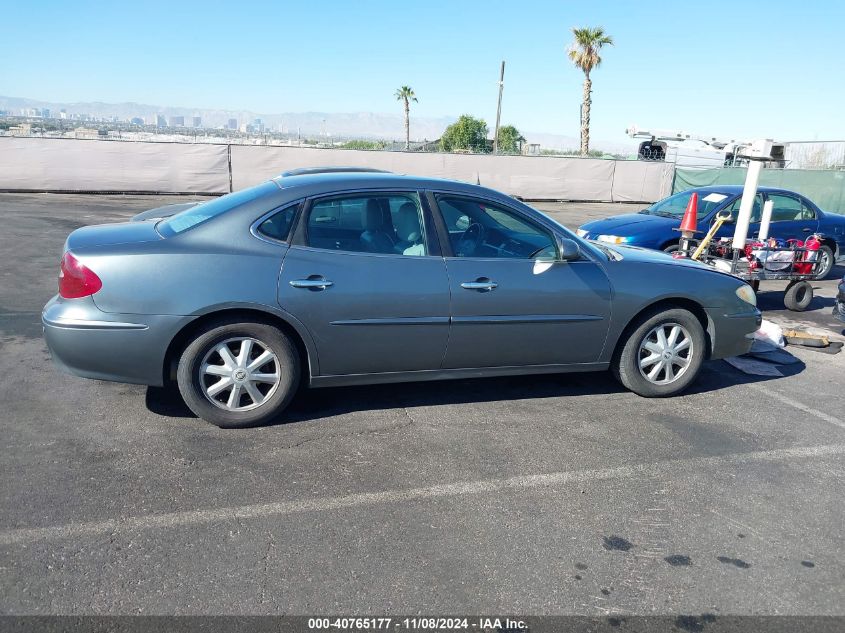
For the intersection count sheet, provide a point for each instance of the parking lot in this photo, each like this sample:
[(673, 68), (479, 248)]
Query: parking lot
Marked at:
[(534, 495)]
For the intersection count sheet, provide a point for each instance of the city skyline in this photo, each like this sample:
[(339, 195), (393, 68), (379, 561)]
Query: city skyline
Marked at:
[(737, 75), (385, 126)]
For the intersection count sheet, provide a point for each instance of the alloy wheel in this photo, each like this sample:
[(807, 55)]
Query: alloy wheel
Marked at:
[(239, 374), (665, 353), (825, 265)]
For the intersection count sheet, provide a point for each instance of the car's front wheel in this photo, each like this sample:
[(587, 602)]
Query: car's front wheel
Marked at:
[(237, 375), (662, 354)]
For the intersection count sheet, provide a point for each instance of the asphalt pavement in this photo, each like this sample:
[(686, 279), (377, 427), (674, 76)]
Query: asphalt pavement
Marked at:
[(531, 495)]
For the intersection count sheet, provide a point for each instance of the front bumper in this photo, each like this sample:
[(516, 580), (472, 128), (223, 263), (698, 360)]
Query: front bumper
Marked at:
[(732, 334), (87, 342)]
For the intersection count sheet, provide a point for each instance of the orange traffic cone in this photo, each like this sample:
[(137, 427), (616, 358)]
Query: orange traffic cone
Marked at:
[(690, 222), (689, 225)]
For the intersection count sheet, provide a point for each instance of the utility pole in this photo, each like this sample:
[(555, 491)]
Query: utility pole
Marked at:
[(499, 109)]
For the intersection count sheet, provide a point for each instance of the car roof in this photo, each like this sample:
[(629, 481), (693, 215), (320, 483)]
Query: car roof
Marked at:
[(328, 179), (304, 171), (736, 189)]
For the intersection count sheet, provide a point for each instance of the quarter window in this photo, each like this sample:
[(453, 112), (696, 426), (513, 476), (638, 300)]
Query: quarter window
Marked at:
[(278, 225), (478, 228), (388, 224)]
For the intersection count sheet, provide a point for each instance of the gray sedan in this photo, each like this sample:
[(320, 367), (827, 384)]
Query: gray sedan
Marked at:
[(332, 277)]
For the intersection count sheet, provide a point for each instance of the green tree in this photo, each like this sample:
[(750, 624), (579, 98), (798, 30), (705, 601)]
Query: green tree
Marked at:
[(467, 133), (362, 144), (509, 140), (584, 53), (406, 95)]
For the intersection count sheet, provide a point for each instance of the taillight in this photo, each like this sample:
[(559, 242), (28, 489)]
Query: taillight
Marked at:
[(77, 280)]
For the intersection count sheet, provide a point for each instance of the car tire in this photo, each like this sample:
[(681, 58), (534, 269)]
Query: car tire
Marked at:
[(642, 341), (254, 394), (798, 296), (672, 248), (826, 257)]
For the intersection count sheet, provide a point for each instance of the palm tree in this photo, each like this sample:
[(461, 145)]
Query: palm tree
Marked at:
[(406, 94), (584, 53)]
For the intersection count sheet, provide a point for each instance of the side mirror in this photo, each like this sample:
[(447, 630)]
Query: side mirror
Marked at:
[(462, 223), (568, 249), (725, 216)]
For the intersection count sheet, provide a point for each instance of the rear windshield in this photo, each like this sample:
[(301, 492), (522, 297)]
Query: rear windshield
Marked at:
[(205, 211)]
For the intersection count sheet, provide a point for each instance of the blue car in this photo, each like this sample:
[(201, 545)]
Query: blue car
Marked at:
[(793, 217)]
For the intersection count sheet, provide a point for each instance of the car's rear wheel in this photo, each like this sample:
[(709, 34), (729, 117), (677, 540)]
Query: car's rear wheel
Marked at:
[(663, 353), (826, 261), (237, 375), (672, 248)]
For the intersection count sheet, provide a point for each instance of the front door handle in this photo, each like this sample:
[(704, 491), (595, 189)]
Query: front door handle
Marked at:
[(482, 284), (312, 283), (806, 230)]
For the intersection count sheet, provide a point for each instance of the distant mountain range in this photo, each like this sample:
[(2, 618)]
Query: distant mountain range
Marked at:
[(374, 125)]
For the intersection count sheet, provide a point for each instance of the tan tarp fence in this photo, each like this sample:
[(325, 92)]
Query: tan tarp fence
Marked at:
[(530, 177), (93, 165), (639, 181)]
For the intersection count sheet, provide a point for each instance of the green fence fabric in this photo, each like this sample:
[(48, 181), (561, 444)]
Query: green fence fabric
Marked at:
[(825, 188)]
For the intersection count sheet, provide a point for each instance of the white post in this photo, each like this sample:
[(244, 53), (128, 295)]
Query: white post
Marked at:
[(747, 204), (758, 150), (764, 221)]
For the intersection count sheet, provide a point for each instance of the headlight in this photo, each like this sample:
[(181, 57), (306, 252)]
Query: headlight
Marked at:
[(582, 232), (747, 294), (613, 239)]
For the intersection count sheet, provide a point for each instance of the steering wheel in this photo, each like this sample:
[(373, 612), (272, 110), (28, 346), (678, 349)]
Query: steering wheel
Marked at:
[(471, 239)]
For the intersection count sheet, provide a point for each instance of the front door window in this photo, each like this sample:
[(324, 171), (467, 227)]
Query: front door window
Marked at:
[(483, 229)]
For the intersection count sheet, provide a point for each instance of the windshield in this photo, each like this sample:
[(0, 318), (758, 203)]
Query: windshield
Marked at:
[(202, 212), (674, 206)]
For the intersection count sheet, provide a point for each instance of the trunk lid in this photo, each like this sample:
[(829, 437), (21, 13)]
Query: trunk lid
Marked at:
[(111, 234)]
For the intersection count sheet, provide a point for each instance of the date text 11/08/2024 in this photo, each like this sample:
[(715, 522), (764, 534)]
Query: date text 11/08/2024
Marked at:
[(415, 624)]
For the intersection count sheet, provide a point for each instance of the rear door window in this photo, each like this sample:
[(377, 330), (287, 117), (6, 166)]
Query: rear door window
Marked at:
[(788, 208), (388, 224)]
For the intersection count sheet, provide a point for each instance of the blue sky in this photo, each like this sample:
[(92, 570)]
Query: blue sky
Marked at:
[(743, 68)]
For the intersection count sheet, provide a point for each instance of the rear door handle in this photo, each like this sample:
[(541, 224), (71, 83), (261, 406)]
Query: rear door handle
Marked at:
[(482, 285), (807, 230), (312, 283)]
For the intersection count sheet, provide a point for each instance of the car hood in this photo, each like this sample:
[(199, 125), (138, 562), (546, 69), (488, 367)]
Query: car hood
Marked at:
[(629, 222), (649, 256), (110, 234)]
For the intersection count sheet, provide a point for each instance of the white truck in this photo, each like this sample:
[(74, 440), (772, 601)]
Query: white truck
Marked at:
[(696, 151)]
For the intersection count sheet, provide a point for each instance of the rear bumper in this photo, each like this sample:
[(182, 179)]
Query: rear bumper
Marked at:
[(87, 342), (732, 334)]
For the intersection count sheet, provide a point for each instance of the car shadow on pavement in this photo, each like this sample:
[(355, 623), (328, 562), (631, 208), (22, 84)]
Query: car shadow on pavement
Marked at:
[(315, 404)]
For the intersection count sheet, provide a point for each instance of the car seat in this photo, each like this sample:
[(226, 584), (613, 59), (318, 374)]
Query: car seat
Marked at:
[(375, 238), (408, 230)]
